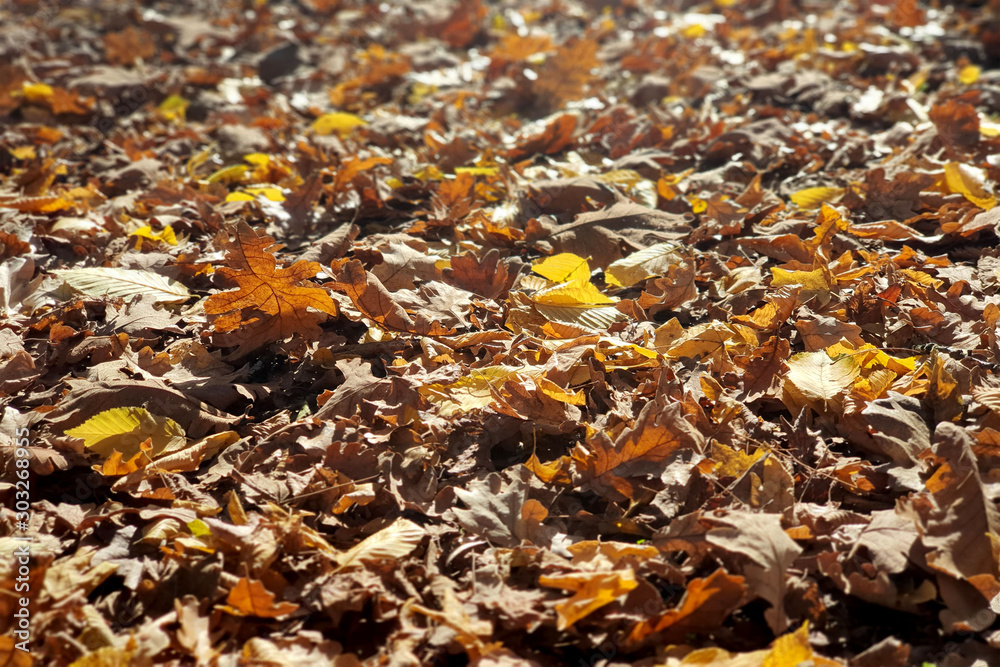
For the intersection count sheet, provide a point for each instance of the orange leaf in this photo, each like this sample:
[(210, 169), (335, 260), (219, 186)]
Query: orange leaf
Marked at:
[(271, 303), (556, 136), (659, 431), (592, 591), (705, 606), (250, 598)]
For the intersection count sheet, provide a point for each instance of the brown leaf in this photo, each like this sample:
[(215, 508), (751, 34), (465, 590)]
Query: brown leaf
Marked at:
[(374, 301), (660, 430), (957, 123), (601, 235), (488, 276), (556, 136), (766, 554), (565, 75), (898, 424), (129, 45), (762, 371), (958, 516)]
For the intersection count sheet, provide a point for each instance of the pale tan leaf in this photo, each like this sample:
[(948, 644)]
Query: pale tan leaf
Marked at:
[(124, 283), (394, 541)]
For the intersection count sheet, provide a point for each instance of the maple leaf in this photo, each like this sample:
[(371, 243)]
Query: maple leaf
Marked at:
[(769, 553), (270, 304)]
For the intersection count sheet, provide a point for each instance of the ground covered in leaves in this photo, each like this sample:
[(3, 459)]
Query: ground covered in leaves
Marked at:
[(499, 333)]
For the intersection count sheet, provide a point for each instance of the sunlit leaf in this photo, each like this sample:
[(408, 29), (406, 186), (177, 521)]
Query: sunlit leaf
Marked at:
[(578, 293), (810, 280), (124, 429), (124, 283), (815, 197), (970, 183), (652, 261), (249, 598), (591, 591), (816, 380), (969, 74), (165, 235), (174, 108), (339, 122), (564, 267), (391, 543)]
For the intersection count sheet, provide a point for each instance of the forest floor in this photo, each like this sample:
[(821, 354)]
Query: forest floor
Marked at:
[(499, 333)]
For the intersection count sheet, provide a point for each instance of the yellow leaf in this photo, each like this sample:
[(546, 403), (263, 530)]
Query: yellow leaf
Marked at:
[(811, 280), (23, 152), (922, 278), (459, 397), (174, 108), (258, 159), (790, 650), (576, 293), (564, 267), (828, 223), (477, 171), (470, 392), (37, 93), (698, 341), (815, 197), (969, 182), (339, 122), (988, 128), (106, 656), (693, 31), (274, 194), (592, 590), (869, 356), (555, 392), (249, 194), (231, 174), (969, 74), (733, 463), (124, 430), (166, 235)]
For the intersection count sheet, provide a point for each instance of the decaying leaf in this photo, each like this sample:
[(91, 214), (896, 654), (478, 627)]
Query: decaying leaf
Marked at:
[(518, 333)]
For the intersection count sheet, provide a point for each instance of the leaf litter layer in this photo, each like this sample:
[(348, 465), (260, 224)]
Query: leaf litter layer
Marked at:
[(469, 332)]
